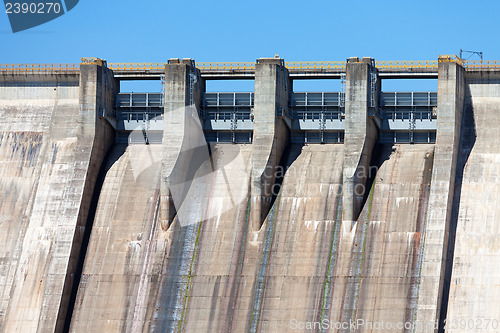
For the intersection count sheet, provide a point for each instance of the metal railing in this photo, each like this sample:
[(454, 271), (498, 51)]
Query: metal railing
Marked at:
[(38, 67), (311, 99), (405, 115), (407, 64), (136, 66), (481, 64), (227, 115), (226, 65), (138, 116), (139, 100), (228, 99), (305, 115), (250, 66), (315, 65), (288, 64)]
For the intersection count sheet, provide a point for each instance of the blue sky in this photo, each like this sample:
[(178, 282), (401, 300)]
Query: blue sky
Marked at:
[(151, 31)]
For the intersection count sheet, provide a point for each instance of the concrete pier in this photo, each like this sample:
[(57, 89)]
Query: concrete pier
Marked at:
[(61, 112), (475, 279), (183, 140), (359, 138), (451, 90), (270, 133)]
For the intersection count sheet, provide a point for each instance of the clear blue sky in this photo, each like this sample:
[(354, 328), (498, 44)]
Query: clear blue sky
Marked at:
[(147, 31)]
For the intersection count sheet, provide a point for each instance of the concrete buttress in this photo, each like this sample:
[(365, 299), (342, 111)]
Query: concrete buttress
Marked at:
[(270, 136), (436, 230), (59, 114), (183, 137), (360, 137)]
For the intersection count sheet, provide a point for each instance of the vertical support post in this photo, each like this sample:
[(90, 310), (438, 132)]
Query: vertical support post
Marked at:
[(98, 89), (451, 91), (360, 136), (270, 133), (182, 88)]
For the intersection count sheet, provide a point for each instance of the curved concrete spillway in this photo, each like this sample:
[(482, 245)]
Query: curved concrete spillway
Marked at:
[(150, 278), (304, 265), (273, 235), (297, 254), (381, 254), (116, 273)]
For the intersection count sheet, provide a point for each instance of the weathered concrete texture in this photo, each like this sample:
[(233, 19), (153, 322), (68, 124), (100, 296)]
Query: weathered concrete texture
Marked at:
[(360, 136), (19, 173), (270, 135), (219, 275), (436, 230), (52, 144), (475, 279), (117, 276), (297, 245), (183, 139), (378, 256), (203, 279), (139, 277), (241, 251)]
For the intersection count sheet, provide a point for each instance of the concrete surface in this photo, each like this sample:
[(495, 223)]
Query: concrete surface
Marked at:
[(52, 147), (203, 275), (271, 233), (379, 255), (475, 279), (138, 277), (183, 136), (116, 277), (436, 230), (359, 137), (270, 133), (297, 243)]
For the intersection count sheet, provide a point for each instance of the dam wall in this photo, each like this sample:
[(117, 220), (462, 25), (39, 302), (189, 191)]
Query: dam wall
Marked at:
[(451, 90), (281, 232), (474, 293), (52, 146)]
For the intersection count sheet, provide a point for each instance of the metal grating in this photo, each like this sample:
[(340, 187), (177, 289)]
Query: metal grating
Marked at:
[(139, 100)]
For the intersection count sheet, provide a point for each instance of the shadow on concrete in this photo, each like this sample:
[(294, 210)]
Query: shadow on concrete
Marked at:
[(291, 153), (381, 153), (112, 156), (467, 142)]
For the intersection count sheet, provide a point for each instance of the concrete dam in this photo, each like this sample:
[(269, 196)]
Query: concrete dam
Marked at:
[(272, 210)]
